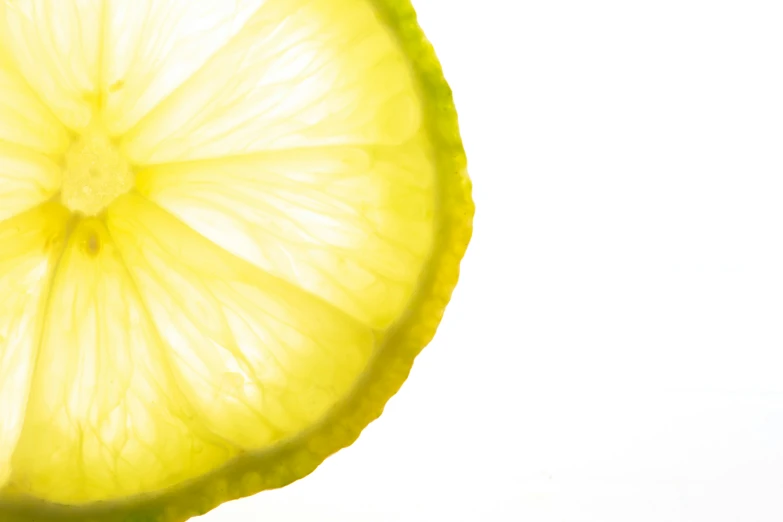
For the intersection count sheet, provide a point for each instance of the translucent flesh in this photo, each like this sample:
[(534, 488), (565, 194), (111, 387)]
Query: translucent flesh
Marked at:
[(351, 224), (29, 245), (281, 215), (103, 417)]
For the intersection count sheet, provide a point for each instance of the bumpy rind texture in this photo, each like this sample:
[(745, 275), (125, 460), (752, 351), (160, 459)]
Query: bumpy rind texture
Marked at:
[(279, 466)]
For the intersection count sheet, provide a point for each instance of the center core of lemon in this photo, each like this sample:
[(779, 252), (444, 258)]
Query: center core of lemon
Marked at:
[(95, 174)]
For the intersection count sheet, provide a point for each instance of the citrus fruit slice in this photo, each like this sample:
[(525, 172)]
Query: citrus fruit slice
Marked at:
[(227, 227)]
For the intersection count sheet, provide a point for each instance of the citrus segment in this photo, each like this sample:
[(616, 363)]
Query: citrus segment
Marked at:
[(350, 224), (30, 245), (104, 419), (24, 120), (152, 46), (301, 73), (259, 358), (57, 46), (26, 179)]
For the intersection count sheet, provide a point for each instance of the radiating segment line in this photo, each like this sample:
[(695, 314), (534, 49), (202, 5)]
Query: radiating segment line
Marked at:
[(31, 246), (301, 73), (351, 225), (166, 42), (78, 445), (226, 321)]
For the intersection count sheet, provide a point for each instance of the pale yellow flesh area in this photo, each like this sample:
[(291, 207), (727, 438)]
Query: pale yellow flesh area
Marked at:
[(29, 249), (210, 213), (103, 418)]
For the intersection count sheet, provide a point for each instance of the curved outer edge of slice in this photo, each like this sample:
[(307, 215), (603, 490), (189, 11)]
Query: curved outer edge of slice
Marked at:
[(295, 459)]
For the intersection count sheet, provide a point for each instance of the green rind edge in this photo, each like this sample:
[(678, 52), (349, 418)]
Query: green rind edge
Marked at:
[(297, 459)]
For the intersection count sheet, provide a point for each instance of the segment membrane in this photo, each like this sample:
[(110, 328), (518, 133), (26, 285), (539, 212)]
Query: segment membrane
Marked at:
[(260, 359), (352, 225), (302, 73), (56, 45), (104, 419), (26, 179), (152, 46), (24, 120), (29, 247)]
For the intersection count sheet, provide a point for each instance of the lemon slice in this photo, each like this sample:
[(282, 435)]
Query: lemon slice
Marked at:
[(227, 227)]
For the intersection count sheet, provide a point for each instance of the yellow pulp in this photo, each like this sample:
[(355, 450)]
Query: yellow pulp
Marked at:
[(210, 213)]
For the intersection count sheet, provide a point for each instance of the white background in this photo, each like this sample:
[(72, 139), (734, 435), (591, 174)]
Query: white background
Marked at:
[(613, 351)]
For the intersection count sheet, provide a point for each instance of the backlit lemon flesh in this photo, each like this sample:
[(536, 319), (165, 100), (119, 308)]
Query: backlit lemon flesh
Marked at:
[(227, 227)]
